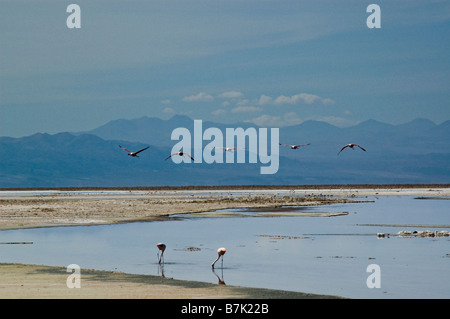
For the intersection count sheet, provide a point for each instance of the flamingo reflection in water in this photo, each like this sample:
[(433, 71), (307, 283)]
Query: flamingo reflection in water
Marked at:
[(161, 269), (220, 280)]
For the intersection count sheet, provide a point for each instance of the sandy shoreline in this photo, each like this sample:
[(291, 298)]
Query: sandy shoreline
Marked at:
[(46, 208), (64, 207), (19, 281)]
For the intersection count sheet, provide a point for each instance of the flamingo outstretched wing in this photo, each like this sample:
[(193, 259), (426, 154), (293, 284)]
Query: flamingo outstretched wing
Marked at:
[(360, 147), (125, 149), (343, 148), (297, 146), (180, 154), (188, 156), (141, 150), (170, 156)]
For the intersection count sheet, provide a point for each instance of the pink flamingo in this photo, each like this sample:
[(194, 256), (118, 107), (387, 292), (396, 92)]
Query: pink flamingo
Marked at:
[(220, 252), (161, 247), (180, 154), (294, 147), (133, 154), (351, 145)]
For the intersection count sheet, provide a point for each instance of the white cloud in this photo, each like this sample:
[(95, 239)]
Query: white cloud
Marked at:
[(283, 100), (168, 110), (302, 98), (264, 99), (246, 109), (267, 120), (231, 95), (201, 97), (328, 101), (243, 102), (219, 112), (166, 102), (291, 118)]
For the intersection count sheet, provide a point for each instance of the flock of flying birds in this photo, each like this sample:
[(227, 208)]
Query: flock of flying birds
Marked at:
[(351, 145), (229, 149), (135, 154)]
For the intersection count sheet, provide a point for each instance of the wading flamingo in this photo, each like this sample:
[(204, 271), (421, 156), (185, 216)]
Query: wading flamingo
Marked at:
[(180, 154), (161, 247), (220, 252), (352, 147), (294, 147), (133, 154)]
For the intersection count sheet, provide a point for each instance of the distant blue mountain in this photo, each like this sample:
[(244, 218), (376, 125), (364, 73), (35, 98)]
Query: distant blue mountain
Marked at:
[(153, 131), (414, 152)]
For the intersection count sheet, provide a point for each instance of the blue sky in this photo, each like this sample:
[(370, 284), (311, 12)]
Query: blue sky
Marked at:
[(270, 62)]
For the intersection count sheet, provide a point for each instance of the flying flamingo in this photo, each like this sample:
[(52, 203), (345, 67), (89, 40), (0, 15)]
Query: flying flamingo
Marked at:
[(352, 147), (294, 147), (228, 149), (133, 154), (161, 247), (220, 252), (180, 154)]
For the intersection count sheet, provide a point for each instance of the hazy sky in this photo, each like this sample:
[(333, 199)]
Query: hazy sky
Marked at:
[(271, 62)]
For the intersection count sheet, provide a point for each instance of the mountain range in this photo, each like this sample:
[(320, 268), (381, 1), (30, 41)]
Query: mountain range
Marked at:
[(417, 152)]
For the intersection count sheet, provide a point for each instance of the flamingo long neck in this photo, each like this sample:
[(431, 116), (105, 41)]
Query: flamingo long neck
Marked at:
[(215, 260)]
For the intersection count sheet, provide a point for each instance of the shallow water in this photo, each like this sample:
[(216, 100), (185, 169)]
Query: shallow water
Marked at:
[(323, 255)]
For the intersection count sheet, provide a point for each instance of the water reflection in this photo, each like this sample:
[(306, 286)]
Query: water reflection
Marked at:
[(323, 255), (221, 281), (161, 269)]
